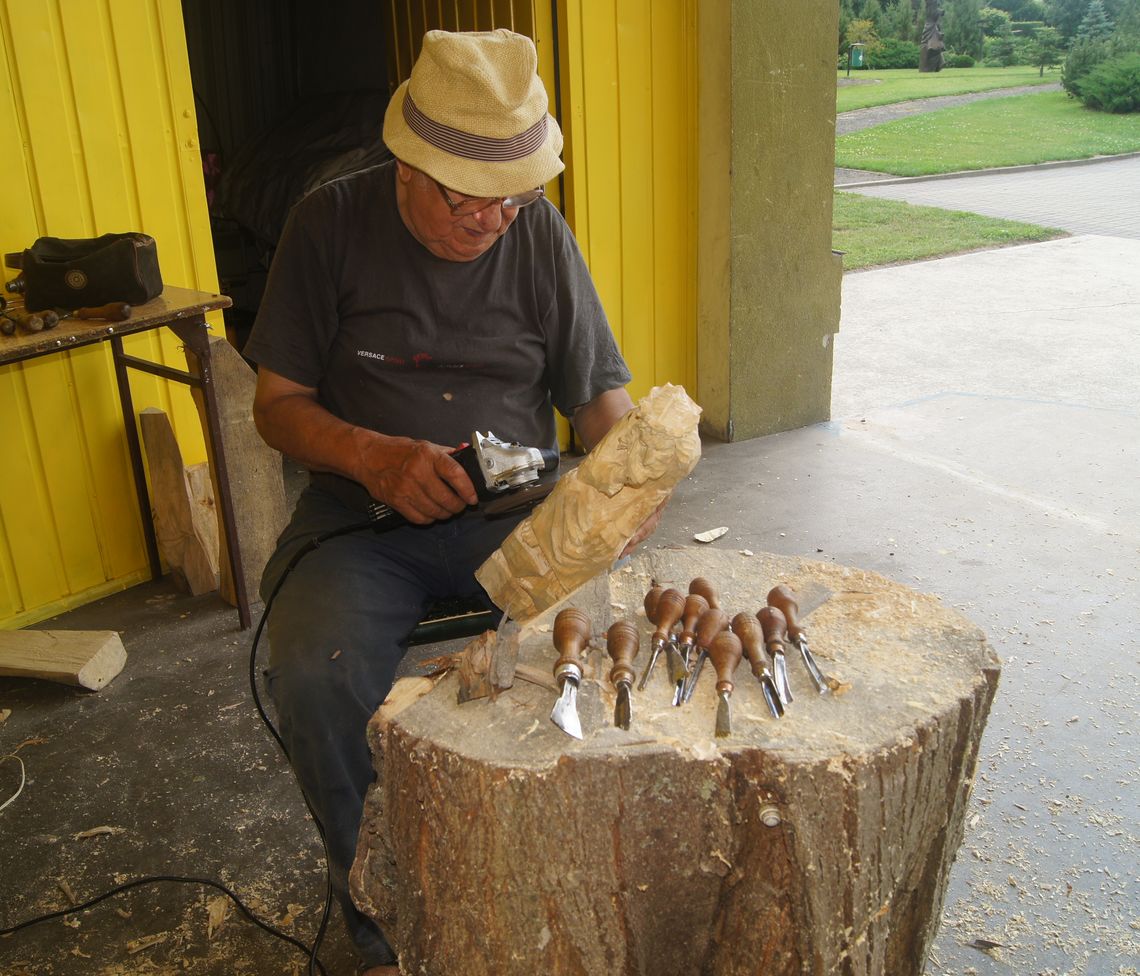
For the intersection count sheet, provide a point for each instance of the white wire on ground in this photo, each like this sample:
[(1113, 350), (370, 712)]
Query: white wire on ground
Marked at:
[(20, 789)]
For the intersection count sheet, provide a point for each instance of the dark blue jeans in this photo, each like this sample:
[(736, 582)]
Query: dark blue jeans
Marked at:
[(336, 632)]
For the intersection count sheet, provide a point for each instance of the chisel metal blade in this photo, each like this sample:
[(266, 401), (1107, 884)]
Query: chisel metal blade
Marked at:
[(780, 677), (691, 681), (723, 716), (817, 676), (650, 666), (623, 710), (678, 671), (771, 696), (565, 711)]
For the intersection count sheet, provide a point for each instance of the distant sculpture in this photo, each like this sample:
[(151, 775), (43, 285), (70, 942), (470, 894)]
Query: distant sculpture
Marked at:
[(930, 58)]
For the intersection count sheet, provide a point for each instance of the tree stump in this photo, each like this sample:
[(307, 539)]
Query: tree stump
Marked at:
[(820, 843)]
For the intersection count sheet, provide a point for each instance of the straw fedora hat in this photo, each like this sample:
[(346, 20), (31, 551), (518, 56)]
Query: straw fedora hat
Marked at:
[(473, 115)]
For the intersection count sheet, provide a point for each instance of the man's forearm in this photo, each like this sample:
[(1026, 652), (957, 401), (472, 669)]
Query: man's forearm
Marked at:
[(304, 430), (593, 420)]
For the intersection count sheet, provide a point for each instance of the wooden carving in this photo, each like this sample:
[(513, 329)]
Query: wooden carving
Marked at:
[(595, 509)]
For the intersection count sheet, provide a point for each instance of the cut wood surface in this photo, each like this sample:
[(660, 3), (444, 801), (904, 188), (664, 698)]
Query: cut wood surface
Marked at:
[(595, 509), (818, 843), (257, 484), (87, 658), (190, 553)]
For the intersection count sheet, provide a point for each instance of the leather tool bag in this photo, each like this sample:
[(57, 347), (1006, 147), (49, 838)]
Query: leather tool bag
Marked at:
[(70, 274)]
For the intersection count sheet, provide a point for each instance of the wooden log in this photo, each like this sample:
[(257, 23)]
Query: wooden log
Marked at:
[(818, 843), (87, 658), (583, 525), (191, 556), (257, 483)]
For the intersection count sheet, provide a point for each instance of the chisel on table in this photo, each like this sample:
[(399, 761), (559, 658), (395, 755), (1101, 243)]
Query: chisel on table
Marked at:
[(775, 628), (622, 642), (747, 628), (709, 624), (725, 653), (783, 599), (682, 651), (664, 610), (571, 635)]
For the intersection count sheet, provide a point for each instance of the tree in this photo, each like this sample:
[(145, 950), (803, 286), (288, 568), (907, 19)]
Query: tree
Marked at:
[(1046, 49), (1066, 15), (901, 21), (1095, 25), (995, 22), (862, 32), (962, 27)]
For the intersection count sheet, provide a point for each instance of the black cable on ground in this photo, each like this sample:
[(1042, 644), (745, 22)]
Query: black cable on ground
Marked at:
[(155, 879), (388, 520)]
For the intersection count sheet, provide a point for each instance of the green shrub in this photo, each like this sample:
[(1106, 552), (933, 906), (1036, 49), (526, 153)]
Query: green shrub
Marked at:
[(954, 60), (999, 52), (1113, 85), (1083, 56), (893, 53)]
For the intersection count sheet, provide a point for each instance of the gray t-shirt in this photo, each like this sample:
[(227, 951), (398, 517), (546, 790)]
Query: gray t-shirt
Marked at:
[(400, 341)]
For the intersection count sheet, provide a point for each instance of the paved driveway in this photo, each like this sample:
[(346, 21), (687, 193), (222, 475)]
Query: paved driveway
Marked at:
[(1090, 198)]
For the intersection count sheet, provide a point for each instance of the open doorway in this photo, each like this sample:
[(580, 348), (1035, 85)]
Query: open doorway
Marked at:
[(289, 94)]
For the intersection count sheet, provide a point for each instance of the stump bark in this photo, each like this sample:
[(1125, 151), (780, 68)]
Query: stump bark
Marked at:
[(820, 843)]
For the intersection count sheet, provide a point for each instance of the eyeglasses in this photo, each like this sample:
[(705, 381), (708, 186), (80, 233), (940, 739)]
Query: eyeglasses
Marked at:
[(472, 205)]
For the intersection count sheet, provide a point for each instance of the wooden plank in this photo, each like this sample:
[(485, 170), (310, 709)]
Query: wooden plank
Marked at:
[(257, 485), (180, 542), (87, 658)]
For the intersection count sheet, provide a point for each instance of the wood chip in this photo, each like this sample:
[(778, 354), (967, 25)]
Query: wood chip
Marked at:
[(217, 908), (99, 832), (712, 534), (146, 942)]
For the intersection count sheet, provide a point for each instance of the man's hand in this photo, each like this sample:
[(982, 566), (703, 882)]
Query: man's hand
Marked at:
[(647, 528), (420, 480)]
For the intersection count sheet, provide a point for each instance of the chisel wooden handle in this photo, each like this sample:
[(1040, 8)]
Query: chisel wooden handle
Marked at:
[(747, 628), (650, 602), (695, 605), (112, 312), (702, 587), (571, 634), (670, 606), (775, 628), (622, 642), (725, 653), (709, 624), (783, 599)]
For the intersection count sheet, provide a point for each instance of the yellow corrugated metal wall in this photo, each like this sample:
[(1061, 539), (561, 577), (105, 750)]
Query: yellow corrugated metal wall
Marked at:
[(96, 100), (626, 81), (100, 135), (629, 112)]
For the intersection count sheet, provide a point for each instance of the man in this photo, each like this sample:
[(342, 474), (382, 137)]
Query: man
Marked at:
[(408, 306)]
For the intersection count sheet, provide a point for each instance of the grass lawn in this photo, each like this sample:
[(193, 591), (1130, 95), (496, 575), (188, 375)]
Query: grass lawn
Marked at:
[(874, 232), (903, 84), (1001, 132)]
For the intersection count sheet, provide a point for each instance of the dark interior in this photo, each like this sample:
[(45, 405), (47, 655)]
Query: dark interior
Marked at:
[(289, 94)]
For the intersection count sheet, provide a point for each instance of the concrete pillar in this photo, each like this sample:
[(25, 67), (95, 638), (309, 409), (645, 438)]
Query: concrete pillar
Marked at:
[(768, 282)]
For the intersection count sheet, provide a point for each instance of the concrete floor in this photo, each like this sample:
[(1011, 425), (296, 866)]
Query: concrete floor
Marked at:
[(984, 448)]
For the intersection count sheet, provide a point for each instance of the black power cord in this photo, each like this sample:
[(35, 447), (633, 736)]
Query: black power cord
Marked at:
[(385, 519)]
